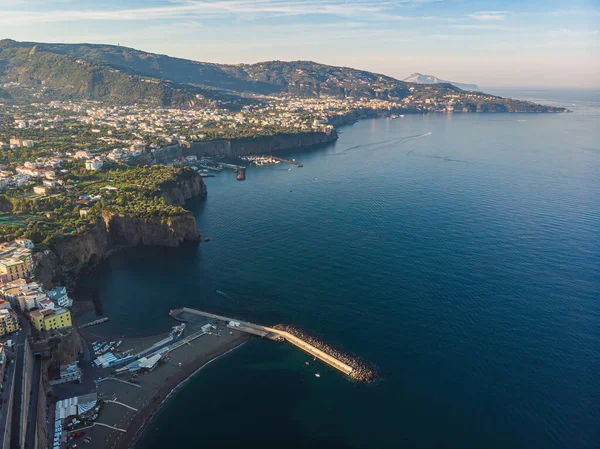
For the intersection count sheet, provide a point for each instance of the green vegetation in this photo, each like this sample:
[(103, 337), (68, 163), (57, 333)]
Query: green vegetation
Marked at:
[(43, 74), (139, 193), (128, 102), (122, 75)]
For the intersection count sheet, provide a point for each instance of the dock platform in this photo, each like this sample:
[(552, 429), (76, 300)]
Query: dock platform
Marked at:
[(287, 161), (93, 323)]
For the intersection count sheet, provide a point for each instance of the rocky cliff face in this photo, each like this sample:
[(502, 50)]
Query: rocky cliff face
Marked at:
[(184, 190), (271, 144), (244, 146), (354, 116), (133, 231), (72, 255)]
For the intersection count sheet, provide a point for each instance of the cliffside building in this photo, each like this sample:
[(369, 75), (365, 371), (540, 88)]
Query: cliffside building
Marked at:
[(51, 318), (13, 268), (9, 322), (16, 260), (60, 297)]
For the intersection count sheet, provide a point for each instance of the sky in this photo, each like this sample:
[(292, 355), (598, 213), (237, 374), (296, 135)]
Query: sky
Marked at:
[(510, 43)]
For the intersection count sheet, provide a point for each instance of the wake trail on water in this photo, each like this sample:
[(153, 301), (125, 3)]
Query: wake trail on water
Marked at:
[(384, 143)]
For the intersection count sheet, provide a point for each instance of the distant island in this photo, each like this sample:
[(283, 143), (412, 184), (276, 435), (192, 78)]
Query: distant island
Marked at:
[(420, 78)]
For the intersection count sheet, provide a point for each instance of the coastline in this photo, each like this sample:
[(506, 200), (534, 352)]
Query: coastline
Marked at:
[(152, 390), (147, 420), (145, 416)]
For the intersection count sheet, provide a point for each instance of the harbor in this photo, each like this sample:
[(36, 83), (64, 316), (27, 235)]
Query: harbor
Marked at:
[(131, 377), (262, 160)]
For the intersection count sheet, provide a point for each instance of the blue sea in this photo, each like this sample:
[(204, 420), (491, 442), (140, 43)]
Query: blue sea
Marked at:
[(459, 254)]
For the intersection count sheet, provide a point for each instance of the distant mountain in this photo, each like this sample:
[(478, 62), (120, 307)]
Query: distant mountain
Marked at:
[(302, 78), (120, 75), (42, 73), (310, 79), (419, 78), (177, 70)]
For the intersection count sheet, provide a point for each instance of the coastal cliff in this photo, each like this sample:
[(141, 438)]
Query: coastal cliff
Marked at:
[(184, 189), (271, 144), (247, 145), (71, 255)]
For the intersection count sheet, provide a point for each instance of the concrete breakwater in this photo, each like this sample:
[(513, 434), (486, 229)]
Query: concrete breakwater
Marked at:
[(360, 370), (351, 366)]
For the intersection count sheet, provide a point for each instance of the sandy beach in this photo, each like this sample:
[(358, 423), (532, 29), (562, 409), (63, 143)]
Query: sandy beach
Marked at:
[(153, 388)]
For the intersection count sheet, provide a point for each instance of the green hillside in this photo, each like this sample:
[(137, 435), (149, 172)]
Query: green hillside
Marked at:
[(44, 74), (122, 75)]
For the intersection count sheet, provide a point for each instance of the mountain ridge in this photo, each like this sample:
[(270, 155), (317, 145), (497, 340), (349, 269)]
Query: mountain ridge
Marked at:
[(123, 75)]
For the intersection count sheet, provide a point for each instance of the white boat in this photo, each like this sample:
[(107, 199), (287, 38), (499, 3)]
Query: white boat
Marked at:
[(317, 375)]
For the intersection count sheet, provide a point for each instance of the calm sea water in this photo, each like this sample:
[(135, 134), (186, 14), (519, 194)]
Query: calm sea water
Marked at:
[(460, 254)]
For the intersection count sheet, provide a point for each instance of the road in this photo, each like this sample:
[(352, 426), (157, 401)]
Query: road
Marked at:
[(5, 411), (18, 393), (33, 404)]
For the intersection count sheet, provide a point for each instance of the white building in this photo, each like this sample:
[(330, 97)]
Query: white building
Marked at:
[(60, 297), (93, 164)]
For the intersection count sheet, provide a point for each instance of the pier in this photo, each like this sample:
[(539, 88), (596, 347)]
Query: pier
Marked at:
[(275, 334), (287, 161), (93, 323)]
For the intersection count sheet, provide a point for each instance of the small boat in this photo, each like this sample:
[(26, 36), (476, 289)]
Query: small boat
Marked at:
[(289, 169), (221, 293), (317, 375), (306, 363)]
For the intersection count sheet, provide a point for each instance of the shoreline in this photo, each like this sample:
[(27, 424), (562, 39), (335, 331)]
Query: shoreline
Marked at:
[(144, 425), (154, 388), (159, 399)]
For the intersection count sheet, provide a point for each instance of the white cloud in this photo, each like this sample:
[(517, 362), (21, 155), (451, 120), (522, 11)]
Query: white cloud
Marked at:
[(451, 37), (574, 12), (481, 27), (489, 15), (198, 9)]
